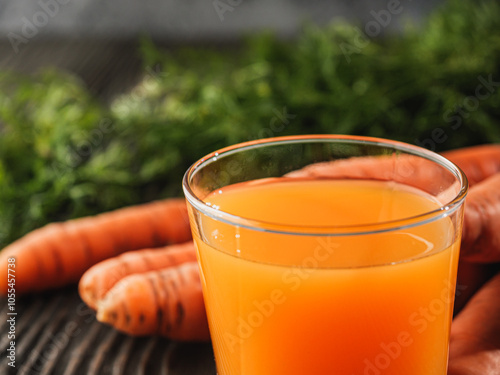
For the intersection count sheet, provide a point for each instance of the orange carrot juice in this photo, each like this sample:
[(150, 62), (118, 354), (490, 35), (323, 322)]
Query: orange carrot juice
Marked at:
[(352, 304)]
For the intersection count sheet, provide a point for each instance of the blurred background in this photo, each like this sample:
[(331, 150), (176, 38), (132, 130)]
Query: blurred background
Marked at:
[(106, 104), (195, 20), (97, 40)]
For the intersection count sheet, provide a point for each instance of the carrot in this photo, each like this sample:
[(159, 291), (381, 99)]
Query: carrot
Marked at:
[(477, 162), (470, 278), (408, 169), (59, 253), (481, 233), (475, 334), (100, 278), (167, 302), (481, 236)]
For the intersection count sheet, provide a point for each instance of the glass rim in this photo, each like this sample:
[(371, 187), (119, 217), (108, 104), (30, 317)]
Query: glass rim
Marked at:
[(335, 231)]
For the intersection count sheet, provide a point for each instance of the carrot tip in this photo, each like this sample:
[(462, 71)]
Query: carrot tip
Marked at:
[(106, 316)]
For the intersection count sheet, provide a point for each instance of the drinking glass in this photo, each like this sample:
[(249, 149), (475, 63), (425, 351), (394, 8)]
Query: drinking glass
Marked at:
[(327, 254)]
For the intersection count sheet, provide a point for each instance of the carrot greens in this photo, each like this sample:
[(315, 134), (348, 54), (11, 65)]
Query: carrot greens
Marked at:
[(64, 155)]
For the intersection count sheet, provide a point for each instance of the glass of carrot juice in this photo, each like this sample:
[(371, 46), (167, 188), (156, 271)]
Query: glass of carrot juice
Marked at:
[(327, 254)]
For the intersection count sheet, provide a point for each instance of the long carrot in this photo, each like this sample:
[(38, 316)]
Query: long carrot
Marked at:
[(100, 278), (470, 278), (475, 334), (478, 162), (481, 237), (59, 253), (481, 234), (167, 302)]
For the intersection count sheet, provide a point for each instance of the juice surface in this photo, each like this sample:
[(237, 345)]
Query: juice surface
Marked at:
[(362, 304)]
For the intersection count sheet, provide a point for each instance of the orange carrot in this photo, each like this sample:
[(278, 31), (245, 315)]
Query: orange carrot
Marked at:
[(475, 334), (481, 237), (481, 234), (167, 302), (478, 162), (408, 169), (470, 278), (59, 253), (100, 278)]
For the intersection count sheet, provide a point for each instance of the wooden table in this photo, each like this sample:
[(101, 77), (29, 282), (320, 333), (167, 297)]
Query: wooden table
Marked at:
[(55, 333)]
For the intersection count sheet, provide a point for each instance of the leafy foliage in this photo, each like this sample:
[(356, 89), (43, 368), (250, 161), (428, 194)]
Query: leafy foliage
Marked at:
[(64, 155)]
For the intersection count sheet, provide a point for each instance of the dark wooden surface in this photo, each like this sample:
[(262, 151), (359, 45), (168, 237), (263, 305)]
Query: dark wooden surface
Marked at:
[(55, 333)]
